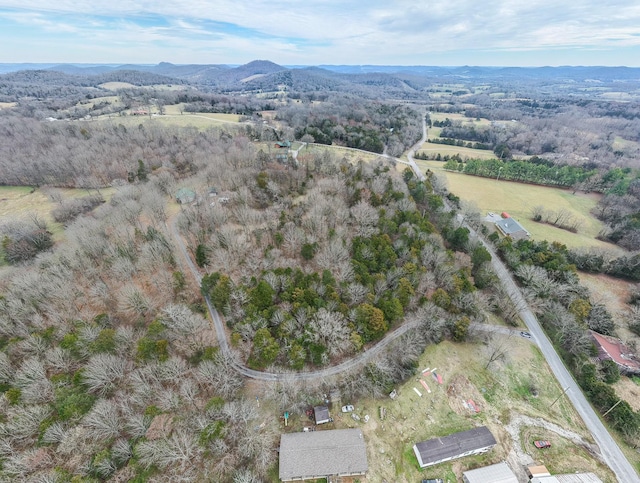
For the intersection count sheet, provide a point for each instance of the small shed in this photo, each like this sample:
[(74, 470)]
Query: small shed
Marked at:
[(185, 196), (321, 414), (537, 470)]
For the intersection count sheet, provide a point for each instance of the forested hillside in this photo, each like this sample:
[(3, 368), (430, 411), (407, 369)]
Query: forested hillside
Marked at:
[(108, 364)]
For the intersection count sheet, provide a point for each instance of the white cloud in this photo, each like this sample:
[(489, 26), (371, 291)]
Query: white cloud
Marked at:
[(328, 31)]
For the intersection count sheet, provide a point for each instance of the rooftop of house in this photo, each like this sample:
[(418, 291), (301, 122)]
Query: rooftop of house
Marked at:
[(509, 226), (616, 350), (318, 454), (456, 444)]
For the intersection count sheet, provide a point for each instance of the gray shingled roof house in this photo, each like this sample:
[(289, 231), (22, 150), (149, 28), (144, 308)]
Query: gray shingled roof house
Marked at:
[(498, 473), (320, 454), (510, 227), (437, 450)]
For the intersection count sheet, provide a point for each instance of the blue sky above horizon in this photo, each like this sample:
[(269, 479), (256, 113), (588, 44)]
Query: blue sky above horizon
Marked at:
[(390, 32)]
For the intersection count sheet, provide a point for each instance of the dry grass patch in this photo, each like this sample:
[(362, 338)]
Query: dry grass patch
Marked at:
[(613, 293), (351, 155), (22, 202), (112, 86), (564, 456), (200, 121), (433, 149), (8, 105), (500, 391), (628, 390)]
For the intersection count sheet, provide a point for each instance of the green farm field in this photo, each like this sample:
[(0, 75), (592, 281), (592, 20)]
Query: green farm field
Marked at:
[(518, 199)]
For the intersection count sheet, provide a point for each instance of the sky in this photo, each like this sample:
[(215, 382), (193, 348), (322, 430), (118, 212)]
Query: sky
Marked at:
[(315, 32)]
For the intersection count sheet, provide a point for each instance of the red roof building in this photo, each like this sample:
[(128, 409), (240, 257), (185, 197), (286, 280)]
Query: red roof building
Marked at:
[(612, 349)]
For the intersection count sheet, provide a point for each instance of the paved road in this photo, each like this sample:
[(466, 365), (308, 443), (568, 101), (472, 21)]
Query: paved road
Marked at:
[(223, 342), (610, 450)]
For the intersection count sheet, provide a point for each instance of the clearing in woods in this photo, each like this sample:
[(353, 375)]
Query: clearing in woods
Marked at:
[(22, 202)]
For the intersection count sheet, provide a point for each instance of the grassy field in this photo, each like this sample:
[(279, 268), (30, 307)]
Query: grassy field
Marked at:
[(98, 100), (22, 202), (197, 120), (112, 86), (518, 199), (349, 154), (441, 116), (432, 149), (502, 393), (622, 144)]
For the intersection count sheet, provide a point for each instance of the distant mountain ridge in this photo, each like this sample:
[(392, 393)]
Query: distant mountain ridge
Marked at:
[(263, 75)]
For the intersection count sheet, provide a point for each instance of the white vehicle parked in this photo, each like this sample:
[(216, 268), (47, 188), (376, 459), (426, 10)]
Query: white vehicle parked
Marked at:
[(347, 409)]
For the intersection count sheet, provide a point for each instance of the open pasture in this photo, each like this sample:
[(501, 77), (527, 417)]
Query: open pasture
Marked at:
[(454, 116), (433, 149), (518, 199), (197, 120)]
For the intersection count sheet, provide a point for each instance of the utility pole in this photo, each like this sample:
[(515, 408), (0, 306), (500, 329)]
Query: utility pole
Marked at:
[(611, 408), (556, 400)]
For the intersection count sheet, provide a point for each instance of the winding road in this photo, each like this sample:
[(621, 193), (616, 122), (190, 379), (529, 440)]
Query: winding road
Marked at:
[(223, 341)]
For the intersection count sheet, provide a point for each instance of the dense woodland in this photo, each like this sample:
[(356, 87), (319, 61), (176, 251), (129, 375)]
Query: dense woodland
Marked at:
[(109, 367)]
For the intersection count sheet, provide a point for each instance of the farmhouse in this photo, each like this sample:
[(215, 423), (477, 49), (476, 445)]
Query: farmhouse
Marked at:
[(282, 144), (612, 349), (510, 227), (499, 473), (321, 414), (322, 454), (437, 450)]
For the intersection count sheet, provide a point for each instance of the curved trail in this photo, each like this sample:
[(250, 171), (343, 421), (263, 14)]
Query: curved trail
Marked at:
[(221, 334)]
